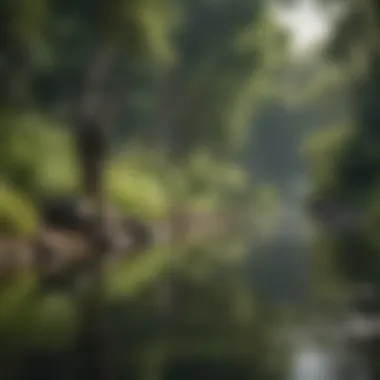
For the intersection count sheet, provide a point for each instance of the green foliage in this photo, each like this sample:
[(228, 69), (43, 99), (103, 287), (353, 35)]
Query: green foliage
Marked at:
[(137, 193), (322, 150), (26, 19), (127, 279), (30, 143), (348, 168), (217, 82), (18, 217), (17, 305), (143, 25), (30, 319), (53, 322), (206, 174)]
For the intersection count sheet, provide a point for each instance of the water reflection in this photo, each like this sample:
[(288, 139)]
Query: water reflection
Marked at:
[(312, 362)]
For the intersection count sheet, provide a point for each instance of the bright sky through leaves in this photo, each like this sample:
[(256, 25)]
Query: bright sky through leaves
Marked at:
[(307, 23)]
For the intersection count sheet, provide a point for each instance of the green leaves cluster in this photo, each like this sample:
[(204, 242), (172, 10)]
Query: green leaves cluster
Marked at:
[(211, 58)]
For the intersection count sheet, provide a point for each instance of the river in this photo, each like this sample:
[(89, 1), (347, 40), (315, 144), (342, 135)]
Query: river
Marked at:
[(312, 363)]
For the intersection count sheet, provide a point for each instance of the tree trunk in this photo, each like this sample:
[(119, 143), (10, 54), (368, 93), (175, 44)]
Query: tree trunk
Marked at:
[(92, 146)]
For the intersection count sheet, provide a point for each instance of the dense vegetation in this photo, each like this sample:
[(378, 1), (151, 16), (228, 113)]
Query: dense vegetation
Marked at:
[(347, 168), (214, 126), (179, 86)]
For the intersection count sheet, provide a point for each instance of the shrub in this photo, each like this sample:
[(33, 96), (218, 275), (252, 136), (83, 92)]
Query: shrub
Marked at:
[(18, 217)]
